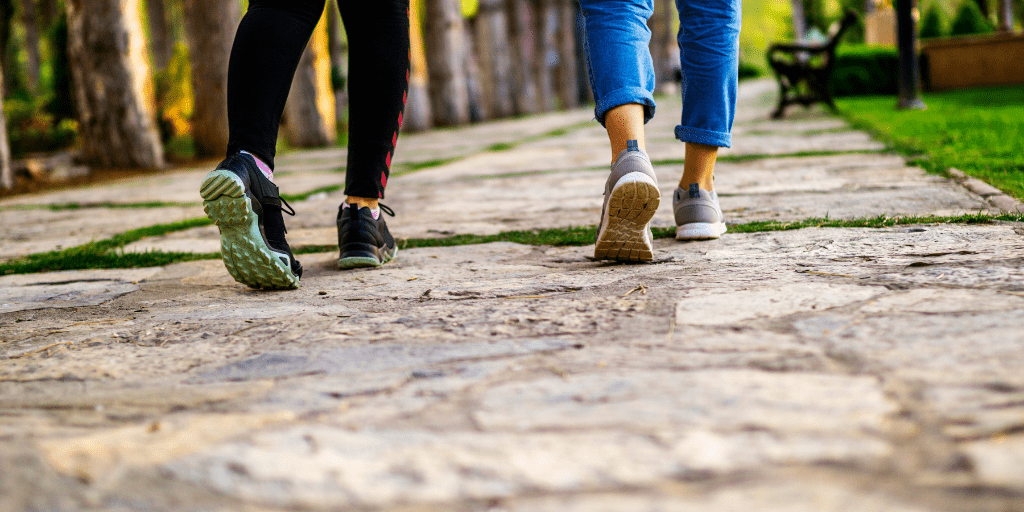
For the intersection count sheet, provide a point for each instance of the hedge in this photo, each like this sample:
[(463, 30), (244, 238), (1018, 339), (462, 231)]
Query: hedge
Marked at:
[(864, 70)]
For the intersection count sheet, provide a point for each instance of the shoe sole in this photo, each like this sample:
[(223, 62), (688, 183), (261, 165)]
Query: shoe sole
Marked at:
[(700, 231), (247, 257), (631, 206), (365, 261)]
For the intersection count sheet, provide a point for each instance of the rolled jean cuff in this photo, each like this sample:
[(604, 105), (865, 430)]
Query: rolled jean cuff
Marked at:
[(625, 96), (706, 137)]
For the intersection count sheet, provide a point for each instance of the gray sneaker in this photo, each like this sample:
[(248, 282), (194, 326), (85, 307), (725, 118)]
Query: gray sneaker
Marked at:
[(631, 197), (698, 216)]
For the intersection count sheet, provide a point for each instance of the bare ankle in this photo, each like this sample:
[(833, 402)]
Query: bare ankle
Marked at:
[(362, 202)]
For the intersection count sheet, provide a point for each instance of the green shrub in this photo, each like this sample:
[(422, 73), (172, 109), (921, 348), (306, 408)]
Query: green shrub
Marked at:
[(32, 129), (933, 23), (748, 70), (862, 70), (969, 20)]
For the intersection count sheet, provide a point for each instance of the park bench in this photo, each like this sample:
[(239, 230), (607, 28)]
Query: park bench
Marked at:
[(804, 69)]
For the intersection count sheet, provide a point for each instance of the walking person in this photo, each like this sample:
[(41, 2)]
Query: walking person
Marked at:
[(622, 78), (240, 195)]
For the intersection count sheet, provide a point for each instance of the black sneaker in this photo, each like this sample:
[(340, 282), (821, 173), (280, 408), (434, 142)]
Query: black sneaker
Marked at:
[(247, 208), (364, 241)]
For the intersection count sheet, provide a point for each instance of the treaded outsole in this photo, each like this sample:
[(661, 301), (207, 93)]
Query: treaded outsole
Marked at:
[(700, 231), (246, 256), (624, 231), (365, 261)]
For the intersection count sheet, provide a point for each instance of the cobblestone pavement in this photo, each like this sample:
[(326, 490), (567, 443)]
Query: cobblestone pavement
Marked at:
[(816, 369)]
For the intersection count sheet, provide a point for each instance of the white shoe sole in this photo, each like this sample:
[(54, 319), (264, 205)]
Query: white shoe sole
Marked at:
[(700, 231), (247, 257), (625, 235)]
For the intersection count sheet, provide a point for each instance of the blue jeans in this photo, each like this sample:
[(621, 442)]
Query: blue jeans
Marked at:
[(621, 70)]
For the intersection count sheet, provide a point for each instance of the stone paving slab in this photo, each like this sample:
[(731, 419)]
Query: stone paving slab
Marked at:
[(813, 369)]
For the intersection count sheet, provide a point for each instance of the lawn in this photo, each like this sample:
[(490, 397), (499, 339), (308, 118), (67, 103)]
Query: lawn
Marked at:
[(980, 131)]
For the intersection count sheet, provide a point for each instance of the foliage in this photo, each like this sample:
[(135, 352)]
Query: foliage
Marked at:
[(174, 95), (862, 70), (969, 20), (933, 24), (976, 131), (764, 22), (32, 129), (748, 70), (61, 104)]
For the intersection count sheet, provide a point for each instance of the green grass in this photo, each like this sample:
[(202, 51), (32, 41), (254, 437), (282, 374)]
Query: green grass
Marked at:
[(105, 253), (977, 131)]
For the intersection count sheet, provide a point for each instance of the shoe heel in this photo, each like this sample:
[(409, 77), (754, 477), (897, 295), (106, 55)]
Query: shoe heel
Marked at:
[(631, 207)]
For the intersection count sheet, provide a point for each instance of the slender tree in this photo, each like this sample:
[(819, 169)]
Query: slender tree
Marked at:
[(418, 114), (6, 170), (309, 111), (445, 44), (546, 57), (565, 71), (160, 41), (7, 15), (495, 58), (210, 27), (337, 49), (1006, 15), (525, 94), (112, 84), (799, 18), (30, 21)]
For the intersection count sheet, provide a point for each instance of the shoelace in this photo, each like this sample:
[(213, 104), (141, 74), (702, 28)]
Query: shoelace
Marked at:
[(384, 208), (290, 210)]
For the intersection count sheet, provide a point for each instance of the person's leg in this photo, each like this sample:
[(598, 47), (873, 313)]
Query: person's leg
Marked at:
[(239, 195), (378, 40), (620, 67), (268, 44), (709, 53), (622, 78)]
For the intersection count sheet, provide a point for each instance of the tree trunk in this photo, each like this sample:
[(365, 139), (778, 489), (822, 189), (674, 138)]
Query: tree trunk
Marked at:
[(1006, 15), (565, 72), (113, 89), (210, 26), (525, 95), (869, 6), (337, 50), (477, 111), (31, 22), (6, 22), (586, 94), (799, 19), (47, 13), (495, 59), (445, 44), (417, 116), (547, 53), (6, 170), (309, 112), (161, 45), (660, 25)]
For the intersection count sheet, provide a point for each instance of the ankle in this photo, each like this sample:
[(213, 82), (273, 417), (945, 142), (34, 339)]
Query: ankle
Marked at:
[(362, 202), (708, 184)]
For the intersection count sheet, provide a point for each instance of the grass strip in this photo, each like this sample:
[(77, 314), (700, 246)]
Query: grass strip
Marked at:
[(976, 131), (104, 253)]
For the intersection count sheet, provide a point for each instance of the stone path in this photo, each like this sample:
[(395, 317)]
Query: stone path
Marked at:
[(844, 369)]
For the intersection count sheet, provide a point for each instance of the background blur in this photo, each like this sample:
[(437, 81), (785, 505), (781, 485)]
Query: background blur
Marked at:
[(121, 84)]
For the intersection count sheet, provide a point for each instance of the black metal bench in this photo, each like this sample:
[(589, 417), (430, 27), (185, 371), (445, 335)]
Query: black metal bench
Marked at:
[(804, 69)]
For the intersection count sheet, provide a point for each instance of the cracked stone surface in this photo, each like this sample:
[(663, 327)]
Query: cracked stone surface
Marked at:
[(819, 369)]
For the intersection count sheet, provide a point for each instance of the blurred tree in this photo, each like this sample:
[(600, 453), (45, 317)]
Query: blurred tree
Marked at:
[(982, 7), (495, 59), (210, 27), (337, 48), (418, 114), (8, 85), (663, 42), (565, 71), (6, 170), (525, 95), (1006, 15), (969, 20), (62, 105), (160, 41), (112, 84), (30, 22), (799, 19), (309, 111), (547, 54), (445, 44), (932, 24)]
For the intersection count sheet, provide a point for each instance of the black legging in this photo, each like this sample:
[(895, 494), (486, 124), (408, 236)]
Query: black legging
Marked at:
[(269, 42)]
